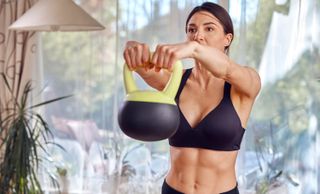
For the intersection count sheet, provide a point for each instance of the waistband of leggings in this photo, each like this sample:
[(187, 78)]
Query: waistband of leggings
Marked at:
[(232, 191)]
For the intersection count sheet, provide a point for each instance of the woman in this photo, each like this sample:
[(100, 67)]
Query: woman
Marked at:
[(215, 99)]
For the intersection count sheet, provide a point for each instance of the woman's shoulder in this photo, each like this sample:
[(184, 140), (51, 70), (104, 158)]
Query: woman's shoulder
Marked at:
[(245, 81)]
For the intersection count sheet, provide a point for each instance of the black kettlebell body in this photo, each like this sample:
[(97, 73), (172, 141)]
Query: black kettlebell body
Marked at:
[(150, 115)]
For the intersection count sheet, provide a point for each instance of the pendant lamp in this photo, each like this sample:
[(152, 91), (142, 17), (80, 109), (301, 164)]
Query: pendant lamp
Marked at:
[(56, 15)]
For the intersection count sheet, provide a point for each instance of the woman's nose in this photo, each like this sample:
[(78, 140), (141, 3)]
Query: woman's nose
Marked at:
[(198, 36)]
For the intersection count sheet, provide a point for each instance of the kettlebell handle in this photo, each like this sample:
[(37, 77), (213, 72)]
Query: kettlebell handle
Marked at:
[(171, 88)]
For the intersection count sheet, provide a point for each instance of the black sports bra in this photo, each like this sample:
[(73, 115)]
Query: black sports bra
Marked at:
[(220, 129)]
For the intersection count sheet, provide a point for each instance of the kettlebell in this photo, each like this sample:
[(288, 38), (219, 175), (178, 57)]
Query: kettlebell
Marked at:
[(149, 115)]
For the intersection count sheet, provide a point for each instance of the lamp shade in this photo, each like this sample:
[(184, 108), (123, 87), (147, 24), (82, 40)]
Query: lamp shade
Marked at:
[(56, 15)]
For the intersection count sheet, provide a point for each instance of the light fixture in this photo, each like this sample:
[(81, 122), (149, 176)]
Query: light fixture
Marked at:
[(56, 15)]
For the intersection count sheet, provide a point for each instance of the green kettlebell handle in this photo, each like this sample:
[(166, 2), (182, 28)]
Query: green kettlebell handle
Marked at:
[(171, 88)]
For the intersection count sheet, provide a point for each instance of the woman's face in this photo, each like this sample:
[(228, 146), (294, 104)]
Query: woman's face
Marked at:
[(206, 29)]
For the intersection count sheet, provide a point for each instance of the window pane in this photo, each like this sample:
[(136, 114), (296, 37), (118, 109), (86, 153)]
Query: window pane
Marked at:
[(280, 39)]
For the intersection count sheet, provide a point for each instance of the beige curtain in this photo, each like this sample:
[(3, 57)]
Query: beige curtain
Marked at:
[(17, 54)]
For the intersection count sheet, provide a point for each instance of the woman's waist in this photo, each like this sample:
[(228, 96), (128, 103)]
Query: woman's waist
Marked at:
[(201, 180)]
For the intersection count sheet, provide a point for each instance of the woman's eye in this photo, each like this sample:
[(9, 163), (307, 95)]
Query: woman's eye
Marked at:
[(210, 29), (191, 30)]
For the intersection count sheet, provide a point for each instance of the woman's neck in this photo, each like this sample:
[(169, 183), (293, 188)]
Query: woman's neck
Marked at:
[(201, 72), (202, 76)]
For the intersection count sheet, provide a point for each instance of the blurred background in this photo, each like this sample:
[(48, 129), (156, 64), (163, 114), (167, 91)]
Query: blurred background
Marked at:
[(280, 152)]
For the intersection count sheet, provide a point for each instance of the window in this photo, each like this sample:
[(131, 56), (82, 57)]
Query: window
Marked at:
[(280, 39)]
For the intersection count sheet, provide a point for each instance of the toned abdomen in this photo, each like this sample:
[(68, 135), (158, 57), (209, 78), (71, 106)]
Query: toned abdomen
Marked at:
[(201, 171)]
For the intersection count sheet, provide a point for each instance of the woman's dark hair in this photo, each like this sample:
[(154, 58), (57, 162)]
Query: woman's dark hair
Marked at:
[(219, 12)]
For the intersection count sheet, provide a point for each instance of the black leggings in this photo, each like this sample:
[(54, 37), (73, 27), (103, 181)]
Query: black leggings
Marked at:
[(166, 189)]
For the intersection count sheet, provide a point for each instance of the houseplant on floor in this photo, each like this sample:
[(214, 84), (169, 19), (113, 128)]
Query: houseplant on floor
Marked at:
[(24, 133)]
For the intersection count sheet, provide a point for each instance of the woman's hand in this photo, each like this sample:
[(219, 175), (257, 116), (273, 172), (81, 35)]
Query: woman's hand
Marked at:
[(136, 55), (166, 55)]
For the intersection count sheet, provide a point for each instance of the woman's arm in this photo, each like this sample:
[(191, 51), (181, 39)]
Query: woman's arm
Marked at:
[(245, 80)]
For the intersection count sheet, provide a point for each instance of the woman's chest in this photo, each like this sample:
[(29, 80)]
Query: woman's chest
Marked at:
[(195, 104)]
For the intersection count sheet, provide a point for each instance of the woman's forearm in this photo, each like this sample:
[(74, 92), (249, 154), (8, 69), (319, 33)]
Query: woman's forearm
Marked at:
[(215, 61)]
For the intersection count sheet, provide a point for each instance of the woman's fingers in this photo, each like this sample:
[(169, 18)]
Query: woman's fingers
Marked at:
[(154, 57), (136, 54), (132, 54), (145, 53), (171, 58), (158, 57), (164, 57), (127, 58)]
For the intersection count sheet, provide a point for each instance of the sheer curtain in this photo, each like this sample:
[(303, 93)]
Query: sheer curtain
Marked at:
[(280, 39)]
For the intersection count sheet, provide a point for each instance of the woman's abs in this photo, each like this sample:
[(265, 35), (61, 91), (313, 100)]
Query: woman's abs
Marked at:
[(201, 171)]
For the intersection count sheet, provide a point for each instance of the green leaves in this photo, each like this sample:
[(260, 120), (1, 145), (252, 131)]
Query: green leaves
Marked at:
[(23, 134)]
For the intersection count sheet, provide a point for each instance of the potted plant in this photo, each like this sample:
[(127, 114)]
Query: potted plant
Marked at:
[(23, 132)]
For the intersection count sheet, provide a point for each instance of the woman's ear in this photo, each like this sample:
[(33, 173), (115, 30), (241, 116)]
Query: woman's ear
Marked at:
[(228, 39)]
